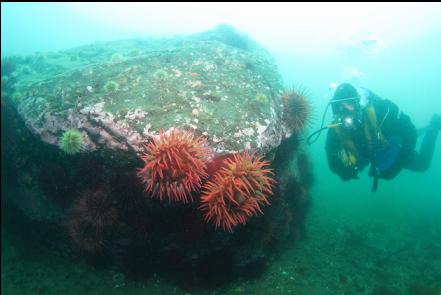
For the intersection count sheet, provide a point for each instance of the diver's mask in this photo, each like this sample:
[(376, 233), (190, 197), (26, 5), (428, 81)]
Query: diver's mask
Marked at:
[(347, 112), (347, 122)]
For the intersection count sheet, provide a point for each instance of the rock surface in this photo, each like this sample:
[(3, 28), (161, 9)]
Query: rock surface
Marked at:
[(220, 84)]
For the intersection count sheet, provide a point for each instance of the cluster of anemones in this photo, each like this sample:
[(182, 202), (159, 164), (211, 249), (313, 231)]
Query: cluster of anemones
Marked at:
[(176, 169)]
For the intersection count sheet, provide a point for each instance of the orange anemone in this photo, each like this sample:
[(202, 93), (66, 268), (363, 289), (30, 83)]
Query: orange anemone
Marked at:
[(174, 165), (237, 191)]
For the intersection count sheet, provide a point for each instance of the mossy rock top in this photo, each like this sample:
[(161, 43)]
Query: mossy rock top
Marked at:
[(119, 94)]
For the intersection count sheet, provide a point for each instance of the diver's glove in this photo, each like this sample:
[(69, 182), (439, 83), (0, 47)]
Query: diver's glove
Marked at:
[(349, 165), (347, 158), (435, 122)]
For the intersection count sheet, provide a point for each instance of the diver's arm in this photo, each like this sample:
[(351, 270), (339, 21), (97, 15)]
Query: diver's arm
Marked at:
[(335, 163)]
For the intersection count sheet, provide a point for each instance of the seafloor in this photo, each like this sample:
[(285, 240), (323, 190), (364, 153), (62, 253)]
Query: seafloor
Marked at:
[(346, 249)]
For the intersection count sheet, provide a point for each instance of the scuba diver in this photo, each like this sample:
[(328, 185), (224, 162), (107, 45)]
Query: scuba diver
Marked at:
[(370, 130)]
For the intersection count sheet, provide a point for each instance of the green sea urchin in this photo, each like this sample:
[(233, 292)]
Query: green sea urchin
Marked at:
[(111, 86), (71, 142)]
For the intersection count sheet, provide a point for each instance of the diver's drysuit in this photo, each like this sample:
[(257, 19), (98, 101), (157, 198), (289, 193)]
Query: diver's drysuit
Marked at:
[(383, 137)]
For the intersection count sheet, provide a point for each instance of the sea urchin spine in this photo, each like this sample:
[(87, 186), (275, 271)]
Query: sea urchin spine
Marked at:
[(71, 142), (297, 110), (92, 220)]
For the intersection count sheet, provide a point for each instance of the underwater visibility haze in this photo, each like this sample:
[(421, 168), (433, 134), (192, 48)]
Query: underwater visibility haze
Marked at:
[(174, 148)]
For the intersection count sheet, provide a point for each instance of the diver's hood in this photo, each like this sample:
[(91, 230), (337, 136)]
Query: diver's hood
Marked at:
[(364, 94)]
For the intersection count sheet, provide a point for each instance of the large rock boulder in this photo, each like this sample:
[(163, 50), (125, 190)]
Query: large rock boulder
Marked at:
[(220, 85), (120, 94)]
